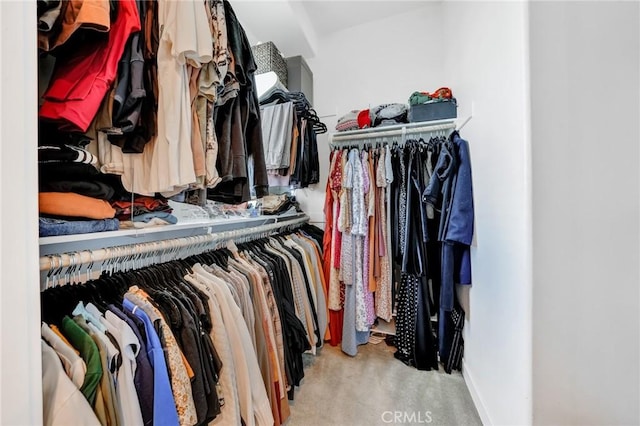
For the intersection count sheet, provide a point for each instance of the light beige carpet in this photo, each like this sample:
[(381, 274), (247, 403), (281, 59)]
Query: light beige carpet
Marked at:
[(374, 388)]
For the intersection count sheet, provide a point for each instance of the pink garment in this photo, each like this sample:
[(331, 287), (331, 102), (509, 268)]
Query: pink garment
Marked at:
[(361, 187), (336, 186)]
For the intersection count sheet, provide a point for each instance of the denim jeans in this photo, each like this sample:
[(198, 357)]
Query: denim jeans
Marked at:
[(146, 217), (51, 227)]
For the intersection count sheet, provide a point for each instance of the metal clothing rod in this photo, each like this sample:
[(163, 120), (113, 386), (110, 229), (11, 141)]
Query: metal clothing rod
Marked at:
[(464, 123), (402, 131), (161, 251)]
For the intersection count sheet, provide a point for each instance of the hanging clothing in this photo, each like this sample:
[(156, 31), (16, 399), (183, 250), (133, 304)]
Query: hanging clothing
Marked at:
[(383, 301), (290, 138), (81, 80), (146, 95), (74, 366), (237, 122), (393, 208), (166, 164), (331, 261), (179, 373), (164, 408), (63, 404), (226, 321), (452, 179)]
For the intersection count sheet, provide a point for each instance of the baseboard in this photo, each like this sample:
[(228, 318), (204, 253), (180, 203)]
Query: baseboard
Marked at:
[(475, 395)]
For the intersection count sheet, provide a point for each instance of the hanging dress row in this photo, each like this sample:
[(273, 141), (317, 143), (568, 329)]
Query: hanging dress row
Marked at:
[(357, 246), (399, 228), (216, 338)]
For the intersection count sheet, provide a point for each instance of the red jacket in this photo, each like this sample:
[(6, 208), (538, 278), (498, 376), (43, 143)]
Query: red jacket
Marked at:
[(81, 81)]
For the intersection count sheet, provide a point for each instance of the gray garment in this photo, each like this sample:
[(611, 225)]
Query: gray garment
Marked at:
[(277, 128), (228, 90), (350, 116), (320, 301), (387, 112), (47, 20), (130, 92), (388, 169)]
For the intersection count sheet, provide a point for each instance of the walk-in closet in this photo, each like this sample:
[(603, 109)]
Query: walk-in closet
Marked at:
[(299, 212)]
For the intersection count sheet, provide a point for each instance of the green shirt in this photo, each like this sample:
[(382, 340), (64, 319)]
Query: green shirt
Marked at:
[(89, 353)]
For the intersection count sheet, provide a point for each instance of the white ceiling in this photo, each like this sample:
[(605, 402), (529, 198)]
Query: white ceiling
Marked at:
[(295, 26), (332, 16)]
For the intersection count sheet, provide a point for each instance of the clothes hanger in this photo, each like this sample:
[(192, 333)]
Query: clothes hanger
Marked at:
[(49, 279)]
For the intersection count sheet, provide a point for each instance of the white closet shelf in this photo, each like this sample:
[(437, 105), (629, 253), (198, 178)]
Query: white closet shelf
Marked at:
[(384, 327), (98, 240), (393, 130)]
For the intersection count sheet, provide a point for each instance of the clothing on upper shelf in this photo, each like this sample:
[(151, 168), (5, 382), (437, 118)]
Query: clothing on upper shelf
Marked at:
[(218, 336), (67, 171), (165, 95), (151, 223), (68, 204), (277, 204), (144, 212), (50, 133), (388, 114), (126, 209), (94, 189), (349, 121), (67, 168), (65, 153), (146, 217), (49, 227), (380, 115), (442, 94)]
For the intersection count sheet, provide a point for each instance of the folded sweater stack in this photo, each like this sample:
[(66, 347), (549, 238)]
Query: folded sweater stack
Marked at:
[(380, 115), (73, 196)]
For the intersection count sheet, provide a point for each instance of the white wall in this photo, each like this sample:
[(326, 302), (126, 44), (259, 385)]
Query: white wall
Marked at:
[(477, 49), (367, 65), (20, 388), (485, 63), (585, 115)]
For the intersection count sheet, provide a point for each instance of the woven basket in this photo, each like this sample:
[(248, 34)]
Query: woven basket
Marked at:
[(269, 58)]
